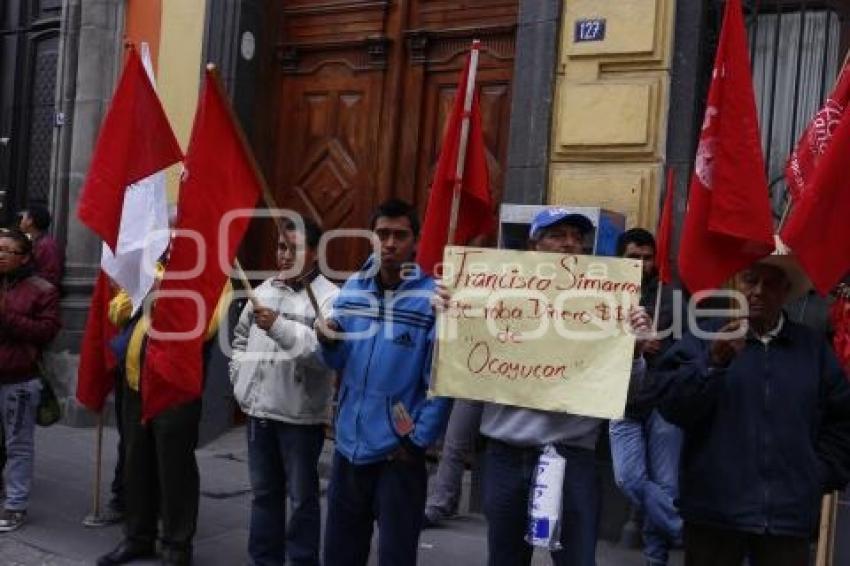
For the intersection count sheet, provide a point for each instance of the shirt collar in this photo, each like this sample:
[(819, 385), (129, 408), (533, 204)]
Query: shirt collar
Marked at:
[(771, 334)]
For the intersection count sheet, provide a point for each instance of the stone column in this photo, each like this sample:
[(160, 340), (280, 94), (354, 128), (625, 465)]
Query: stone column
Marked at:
[(532, 100), (690, 75), (90, 59)]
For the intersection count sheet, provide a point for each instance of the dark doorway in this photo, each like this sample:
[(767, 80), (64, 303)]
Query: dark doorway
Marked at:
[(29, 53)]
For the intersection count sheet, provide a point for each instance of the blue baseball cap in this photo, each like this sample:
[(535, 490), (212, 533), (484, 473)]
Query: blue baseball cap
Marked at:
[(557, 215)]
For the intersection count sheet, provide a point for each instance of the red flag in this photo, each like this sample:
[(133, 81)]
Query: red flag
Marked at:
[(839, 320), (475, 214), (817, 230), (816, 138), (135, 141), (728, 224), (221, 176), (665, 232), (96, 374)]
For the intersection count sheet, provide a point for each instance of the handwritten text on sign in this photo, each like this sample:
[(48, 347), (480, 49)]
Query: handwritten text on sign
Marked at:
[(540, 330)]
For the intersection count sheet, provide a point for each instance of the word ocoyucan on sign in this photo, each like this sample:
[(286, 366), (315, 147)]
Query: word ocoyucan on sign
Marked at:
[(540, 330)]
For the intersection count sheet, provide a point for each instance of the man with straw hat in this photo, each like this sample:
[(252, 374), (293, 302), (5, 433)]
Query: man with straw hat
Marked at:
[(765, 410)]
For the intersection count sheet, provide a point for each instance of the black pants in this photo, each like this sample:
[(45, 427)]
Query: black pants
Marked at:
[(707, 546), (117, 487), (161, 474), (391, 493)]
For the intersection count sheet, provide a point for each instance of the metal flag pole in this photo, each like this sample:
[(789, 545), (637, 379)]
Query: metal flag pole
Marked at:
[(94, 518)]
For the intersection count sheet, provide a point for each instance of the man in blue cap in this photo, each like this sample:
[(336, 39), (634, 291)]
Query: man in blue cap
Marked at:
[(516, 437)]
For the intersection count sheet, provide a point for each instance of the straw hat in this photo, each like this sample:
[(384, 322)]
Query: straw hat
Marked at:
[(785, 260)]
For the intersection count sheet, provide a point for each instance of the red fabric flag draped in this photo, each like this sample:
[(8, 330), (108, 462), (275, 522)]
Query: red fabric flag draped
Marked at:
[(475, 215), (817, 229), (221, 176), (816, 138), (135, 141), (96, 374), (839, 319), (728, 224), (665, 232)]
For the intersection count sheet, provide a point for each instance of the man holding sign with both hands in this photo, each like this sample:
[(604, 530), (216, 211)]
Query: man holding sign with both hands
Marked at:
[(516, 438)]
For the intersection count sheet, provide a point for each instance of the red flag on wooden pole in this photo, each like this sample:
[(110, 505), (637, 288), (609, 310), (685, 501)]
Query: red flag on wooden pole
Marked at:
[(729, 223), (665, 232), (459, 206), (221, 177)]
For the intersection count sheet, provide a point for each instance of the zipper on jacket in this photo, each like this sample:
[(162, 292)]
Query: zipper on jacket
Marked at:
[(366, 379), (765, 433)]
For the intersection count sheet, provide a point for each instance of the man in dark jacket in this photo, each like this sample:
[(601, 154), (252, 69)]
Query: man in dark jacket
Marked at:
[(47, 257), (29, 319), (644, 447), (765, 409)]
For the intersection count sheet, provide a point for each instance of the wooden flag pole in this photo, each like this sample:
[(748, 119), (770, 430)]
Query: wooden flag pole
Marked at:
[(98, 461), (826, 532), (657, 307), (249, 290), (464, 141)]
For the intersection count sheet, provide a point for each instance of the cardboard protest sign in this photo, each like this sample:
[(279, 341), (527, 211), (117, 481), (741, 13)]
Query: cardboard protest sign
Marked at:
[(540, 330)]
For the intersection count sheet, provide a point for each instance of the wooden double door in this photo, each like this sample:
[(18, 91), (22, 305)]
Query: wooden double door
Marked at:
[(363, 89)]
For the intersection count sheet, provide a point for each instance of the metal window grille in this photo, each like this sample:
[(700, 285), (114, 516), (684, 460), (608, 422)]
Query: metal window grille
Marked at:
[(795, 54)]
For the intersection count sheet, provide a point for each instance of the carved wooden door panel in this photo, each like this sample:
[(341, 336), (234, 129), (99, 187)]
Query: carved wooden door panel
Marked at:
[(327, 157), (364, 90), (439, 36)]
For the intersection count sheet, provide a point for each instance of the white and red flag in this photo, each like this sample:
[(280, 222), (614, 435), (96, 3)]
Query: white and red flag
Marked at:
[(135, 141), (728, 224), (143, 235)]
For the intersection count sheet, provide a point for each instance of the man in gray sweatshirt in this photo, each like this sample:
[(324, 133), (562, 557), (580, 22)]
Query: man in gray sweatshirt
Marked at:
[(516, 437)]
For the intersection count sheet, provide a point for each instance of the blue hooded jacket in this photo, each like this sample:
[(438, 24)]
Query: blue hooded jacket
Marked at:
[(384, 358)]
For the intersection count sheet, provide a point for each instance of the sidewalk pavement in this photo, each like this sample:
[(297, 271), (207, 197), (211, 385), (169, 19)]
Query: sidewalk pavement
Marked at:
[(62, 496)]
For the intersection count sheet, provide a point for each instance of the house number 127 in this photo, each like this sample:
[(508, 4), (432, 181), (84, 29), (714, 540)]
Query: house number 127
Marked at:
[(590, 30)]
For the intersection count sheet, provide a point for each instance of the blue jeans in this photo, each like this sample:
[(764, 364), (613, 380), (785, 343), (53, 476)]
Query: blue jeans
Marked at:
[(646, 469), (458, 445), (18, 404), (283, 460), (391, 492), (508, 474)]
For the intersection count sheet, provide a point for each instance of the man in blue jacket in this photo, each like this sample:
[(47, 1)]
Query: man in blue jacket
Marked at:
[(766, 417), (380, 341)]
